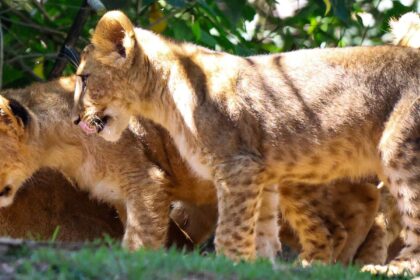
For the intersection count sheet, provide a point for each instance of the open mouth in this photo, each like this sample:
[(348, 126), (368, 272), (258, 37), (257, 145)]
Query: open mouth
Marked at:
[(95, 125)]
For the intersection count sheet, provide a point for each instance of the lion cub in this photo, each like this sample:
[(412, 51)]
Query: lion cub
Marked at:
[(35, 133), (309, 116)]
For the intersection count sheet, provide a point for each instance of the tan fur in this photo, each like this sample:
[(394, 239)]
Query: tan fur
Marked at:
[(323, 234), (160, 150), (370, 218), (310, 116), (154, 146), (47, 202)]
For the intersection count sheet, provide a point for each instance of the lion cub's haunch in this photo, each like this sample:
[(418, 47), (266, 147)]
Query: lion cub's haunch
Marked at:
[(310, 116)]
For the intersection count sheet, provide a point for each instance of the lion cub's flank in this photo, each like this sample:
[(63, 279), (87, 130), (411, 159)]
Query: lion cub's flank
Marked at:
[(310, 116), (35, 132)]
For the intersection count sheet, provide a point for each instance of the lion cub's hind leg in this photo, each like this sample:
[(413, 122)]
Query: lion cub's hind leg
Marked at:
[(239, 183), (400, 155), (356, 206), (320, 234), (268, 243), (385, 229)]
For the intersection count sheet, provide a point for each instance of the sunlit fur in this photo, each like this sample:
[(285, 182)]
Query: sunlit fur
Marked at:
[(309, 116)]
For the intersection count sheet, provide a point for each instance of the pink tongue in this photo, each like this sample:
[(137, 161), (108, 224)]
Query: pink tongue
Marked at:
[(87, 128)]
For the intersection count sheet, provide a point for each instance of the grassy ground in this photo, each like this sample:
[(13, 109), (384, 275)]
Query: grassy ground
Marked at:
[(107, 262)]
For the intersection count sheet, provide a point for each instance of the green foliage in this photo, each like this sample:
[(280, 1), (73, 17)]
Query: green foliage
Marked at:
[(35, 30)]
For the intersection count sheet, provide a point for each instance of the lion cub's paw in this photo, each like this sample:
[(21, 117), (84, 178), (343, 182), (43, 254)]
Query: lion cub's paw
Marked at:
[(268, 246), (396, 267), (132, 241)]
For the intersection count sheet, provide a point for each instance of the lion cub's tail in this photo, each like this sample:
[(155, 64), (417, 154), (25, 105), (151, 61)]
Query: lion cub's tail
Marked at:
[(406, 30)]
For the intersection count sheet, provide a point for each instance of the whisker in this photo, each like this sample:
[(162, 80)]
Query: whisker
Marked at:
[(71, 55)]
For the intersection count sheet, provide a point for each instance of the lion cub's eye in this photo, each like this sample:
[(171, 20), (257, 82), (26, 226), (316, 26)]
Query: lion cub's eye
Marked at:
[(84, 78), (81, 86)]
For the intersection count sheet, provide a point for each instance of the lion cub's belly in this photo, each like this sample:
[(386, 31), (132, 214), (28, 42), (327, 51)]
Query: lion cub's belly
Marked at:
[(335, 159), (106, 190)]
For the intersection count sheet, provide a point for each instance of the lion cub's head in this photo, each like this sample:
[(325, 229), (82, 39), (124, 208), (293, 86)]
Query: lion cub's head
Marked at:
[(14, 150), (104, 75)]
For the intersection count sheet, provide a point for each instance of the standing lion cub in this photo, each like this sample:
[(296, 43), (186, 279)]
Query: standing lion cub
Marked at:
[(309, 116)]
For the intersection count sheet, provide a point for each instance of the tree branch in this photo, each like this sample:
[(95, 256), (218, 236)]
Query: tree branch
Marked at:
[(75, 30), (74, 33)]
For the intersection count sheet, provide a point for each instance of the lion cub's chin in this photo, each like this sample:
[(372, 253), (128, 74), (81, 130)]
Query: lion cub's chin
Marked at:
[(112, 132), (115, 126), (109, 135)]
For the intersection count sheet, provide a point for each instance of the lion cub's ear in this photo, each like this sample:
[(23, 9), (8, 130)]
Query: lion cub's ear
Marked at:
[(114, 40), (13, 117)]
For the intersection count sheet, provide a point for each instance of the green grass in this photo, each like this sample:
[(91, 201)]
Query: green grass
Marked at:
[(114, 263)]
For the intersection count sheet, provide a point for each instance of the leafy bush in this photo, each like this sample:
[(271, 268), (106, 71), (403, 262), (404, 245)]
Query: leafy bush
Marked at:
[(34, 30)]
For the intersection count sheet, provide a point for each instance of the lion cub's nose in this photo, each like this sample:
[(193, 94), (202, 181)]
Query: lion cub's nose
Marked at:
[(6, 191)]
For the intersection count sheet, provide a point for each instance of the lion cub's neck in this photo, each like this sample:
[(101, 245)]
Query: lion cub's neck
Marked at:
[(175, 88)]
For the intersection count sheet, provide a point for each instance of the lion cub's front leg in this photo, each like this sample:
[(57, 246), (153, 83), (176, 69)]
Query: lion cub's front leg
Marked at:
[(268, 242), (239, 184), (147, 218)]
